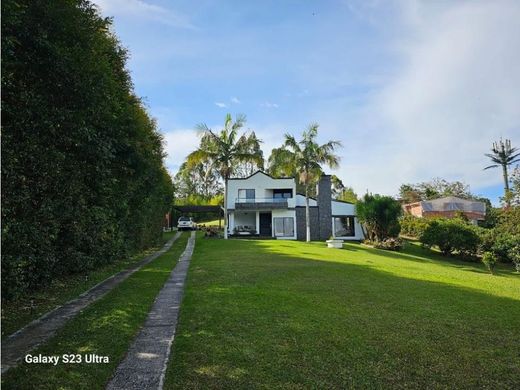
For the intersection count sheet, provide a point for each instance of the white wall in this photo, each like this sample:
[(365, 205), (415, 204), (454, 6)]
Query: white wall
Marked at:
[(263, 186), (300, 201), (247, 218)]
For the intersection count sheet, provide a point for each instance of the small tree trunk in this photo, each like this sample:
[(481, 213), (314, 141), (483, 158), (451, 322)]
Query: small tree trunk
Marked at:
[(307, 215), (506, 185), (225, 208)]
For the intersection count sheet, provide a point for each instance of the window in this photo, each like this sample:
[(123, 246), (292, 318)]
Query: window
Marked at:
[(284, 227), (247, 194), (344, 226), (284, 193)]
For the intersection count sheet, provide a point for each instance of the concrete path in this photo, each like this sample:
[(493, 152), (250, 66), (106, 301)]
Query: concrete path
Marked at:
[(144, 366), (17, 345)]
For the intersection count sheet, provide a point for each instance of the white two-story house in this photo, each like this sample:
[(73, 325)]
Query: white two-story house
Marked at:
[(263, 206)]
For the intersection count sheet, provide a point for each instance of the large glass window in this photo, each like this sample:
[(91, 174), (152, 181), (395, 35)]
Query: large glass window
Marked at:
[(246, 195), (344, 226), (283, 193), (284, 227)]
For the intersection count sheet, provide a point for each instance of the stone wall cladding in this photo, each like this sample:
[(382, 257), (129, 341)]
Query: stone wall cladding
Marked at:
[(324, 200), (301, 230)]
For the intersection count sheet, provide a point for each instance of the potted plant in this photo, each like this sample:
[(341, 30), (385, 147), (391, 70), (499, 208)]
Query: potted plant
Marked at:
[(334, 243)]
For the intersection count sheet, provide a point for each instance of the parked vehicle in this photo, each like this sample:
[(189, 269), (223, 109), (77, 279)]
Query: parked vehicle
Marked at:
[(186, 223)]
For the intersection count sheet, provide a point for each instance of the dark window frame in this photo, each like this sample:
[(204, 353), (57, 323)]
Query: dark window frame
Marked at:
[(286, 193)]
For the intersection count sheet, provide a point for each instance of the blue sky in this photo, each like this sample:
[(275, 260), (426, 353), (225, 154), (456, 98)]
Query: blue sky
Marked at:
[(414, 90)]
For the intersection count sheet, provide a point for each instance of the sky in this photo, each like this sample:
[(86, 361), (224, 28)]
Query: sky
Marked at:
[(413, 89)]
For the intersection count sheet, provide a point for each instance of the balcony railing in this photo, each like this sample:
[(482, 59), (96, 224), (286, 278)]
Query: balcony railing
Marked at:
[(252, 203)]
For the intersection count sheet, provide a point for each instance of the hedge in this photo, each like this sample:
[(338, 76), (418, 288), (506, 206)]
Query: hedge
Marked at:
[(82, 162)]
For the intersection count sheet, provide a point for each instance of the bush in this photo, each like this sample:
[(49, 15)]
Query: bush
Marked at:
[(379, 216), (413, 226), (451, 236), (489, 259), (499, 243), (514, 254)]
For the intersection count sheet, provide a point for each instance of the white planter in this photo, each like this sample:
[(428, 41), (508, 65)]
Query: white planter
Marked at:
[(335, 244)]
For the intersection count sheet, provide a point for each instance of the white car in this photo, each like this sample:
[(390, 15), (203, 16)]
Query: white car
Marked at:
[(186, 223)]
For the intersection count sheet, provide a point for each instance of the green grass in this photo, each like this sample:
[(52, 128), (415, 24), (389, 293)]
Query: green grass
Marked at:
[(107, 327), (291, 315), (214, 222), (19, 312)]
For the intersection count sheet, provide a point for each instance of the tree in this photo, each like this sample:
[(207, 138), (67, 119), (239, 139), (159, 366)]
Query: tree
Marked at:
[(348, 195), (503, 155), (304, 158), (515, 187), (433, 189), (198, 179), (225, 150), (379, 215)]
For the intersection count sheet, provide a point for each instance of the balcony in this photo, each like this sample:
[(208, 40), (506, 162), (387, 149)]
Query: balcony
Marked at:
[(260, 203)]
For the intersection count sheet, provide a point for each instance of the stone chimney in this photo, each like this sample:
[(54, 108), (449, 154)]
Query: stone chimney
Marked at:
[(324, 200)]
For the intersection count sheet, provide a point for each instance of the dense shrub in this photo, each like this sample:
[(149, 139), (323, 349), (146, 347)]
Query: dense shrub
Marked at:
[(504, 237), (82, 172), (514, 254), (413, 226), (489, 259), (451, 236), (500, 243), (379, 216)]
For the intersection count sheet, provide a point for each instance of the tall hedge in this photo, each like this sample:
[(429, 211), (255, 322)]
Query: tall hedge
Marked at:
[(82, 162)]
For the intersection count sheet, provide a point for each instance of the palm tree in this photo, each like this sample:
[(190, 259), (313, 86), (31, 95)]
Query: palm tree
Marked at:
[(503, 155), (225, 150), (304, 158)]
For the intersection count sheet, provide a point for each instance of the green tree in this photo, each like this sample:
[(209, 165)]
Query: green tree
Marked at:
[(304, 157), (433, 189), (197, 179), (226, 150), (379, 216), (503, 155), (348, 195), (515, 187)]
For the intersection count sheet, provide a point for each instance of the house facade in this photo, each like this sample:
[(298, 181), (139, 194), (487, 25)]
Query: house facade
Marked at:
[(263, 206), (448, 207)]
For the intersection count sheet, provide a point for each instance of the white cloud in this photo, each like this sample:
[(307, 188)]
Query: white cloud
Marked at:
[(269, 105), (458, 91), (235, 100), (141, 10), (179, 143), (220, 104)]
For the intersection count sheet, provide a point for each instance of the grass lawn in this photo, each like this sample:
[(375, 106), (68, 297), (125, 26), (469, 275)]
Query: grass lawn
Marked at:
[(281, 314), (106, 327), (18, 313)]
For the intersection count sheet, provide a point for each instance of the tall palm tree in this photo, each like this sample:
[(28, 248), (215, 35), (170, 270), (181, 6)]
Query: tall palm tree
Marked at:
[(226, 149), (304, 157), (503, 155)]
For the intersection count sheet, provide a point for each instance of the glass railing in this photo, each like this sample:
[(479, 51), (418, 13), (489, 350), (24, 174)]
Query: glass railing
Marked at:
[(261, 200)]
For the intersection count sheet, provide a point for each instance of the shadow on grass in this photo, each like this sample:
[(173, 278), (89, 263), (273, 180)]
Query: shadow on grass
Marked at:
[(279, 321)]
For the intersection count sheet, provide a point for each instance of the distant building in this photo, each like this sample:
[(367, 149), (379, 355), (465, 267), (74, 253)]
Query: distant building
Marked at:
[(448, 207)]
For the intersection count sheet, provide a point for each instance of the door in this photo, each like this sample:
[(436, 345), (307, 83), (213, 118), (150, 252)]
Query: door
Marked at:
[(265, 224)]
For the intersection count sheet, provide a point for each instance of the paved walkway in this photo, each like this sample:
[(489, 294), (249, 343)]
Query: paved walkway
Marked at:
[(144, 366), (16, 346)]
